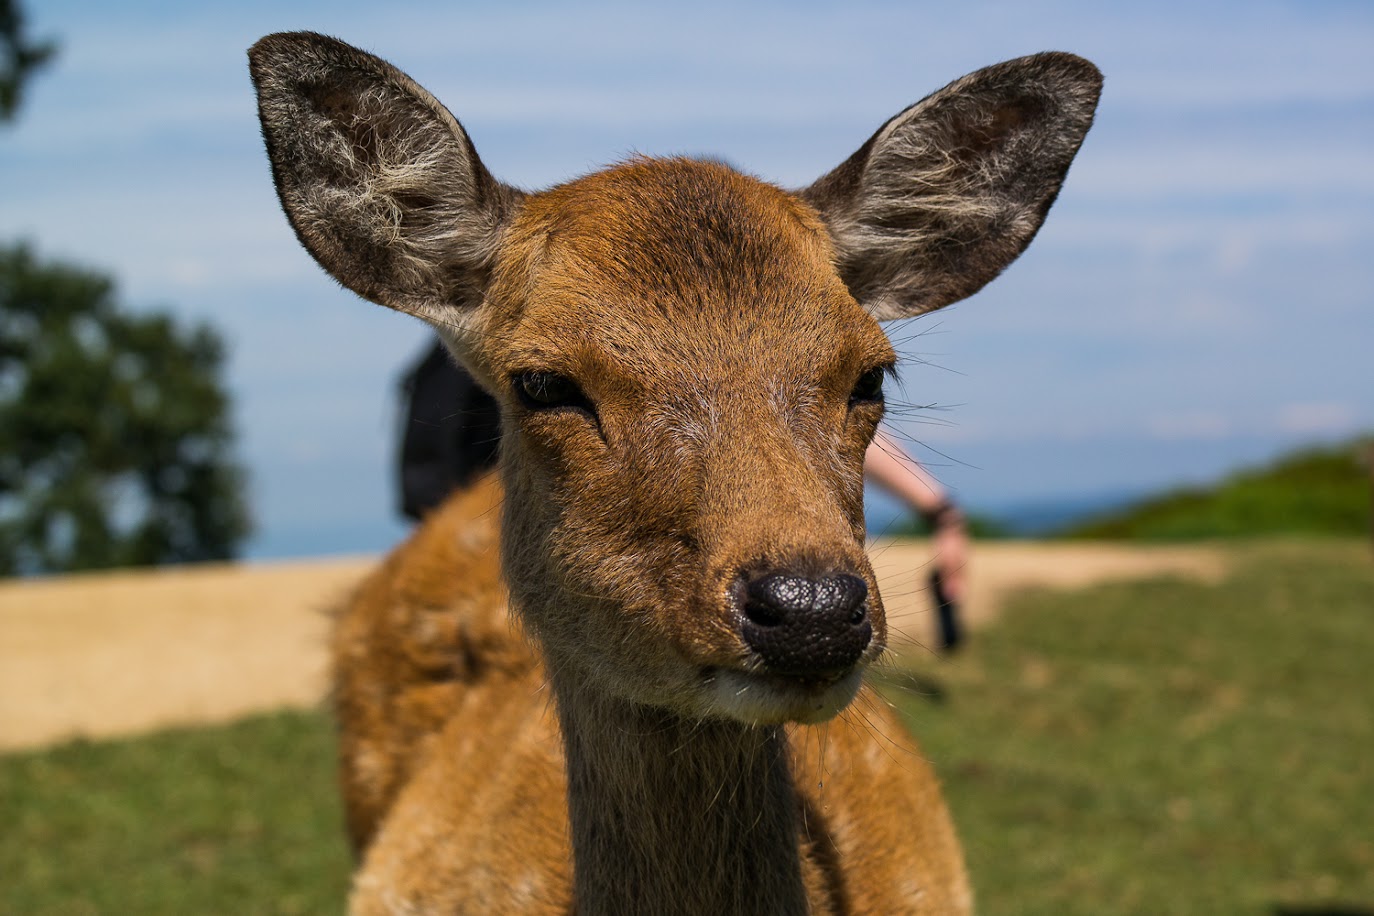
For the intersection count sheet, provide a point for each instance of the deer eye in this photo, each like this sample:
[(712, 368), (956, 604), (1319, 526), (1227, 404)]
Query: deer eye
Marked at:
[(549, 390), (869, 387)]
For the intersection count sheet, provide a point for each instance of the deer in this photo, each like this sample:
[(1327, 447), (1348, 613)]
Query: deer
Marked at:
[(625, 673)]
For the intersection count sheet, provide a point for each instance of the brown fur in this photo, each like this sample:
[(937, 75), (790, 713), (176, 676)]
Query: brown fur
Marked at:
[(606, 739), (453, 766)]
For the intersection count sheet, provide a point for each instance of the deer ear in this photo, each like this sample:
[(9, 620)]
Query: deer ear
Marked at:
[(949, 192), (380, 182)]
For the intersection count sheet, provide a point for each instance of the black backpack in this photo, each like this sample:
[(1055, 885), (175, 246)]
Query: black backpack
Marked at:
[(451, 431)]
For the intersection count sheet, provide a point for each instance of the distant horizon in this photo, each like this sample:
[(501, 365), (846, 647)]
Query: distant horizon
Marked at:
[(1025, 518)]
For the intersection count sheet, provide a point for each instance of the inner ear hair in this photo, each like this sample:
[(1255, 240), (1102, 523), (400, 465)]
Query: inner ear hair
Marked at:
[(380, 182), (950, 191)]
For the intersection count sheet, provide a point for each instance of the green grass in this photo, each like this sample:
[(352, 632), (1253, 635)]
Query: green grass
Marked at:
[(1168, 747), (1165, 747), (236, 819)]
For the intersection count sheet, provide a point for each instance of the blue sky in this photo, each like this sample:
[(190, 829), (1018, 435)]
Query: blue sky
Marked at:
[(1202, 294)]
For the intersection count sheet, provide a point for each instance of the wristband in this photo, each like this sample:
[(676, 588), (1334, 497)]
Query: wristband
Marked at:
[(943, 514)]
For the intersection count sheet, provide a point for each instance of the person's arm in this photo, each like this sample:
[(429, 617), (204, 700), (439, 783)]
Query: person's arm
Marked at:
[(888, 465)]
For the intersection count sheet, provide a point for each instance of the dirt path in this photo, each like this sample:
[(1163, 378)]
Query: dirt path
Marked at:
[(110, 654), (998, 569)]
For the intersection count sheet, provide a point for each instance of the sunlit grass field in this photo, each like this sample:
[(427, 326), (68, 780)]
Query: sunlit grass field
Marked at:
[(232, 819), (1157, 747), (1168, 746)]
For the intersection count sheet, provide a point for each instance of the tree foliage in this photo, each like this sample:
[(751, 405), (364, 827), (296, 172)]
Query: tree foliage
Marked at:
[(19, 57), (114, 429)]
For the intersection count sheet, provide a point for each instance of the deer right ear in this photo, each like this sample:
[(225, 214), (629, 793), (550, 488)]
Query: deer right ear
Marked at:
[(380, 182), (949, 192)]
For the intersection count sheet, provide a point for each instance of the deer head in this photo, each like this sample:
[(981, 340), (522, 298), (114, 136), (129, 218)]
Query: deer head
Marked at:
[(688, 359)]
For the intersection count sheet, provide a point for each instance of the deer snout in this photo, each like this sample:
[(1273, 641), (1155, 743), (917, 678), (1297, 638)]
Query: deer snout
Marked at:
[(805, 627)]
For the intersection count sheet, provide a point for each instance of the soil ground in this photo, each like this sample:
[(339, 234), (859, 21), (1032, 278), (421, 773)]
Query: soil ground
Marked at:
[(102, 655)]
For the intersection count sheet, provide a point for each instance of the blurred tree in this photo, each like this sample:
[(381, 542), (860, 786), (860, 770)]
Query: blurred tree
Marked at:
[(18, 58), (114, 429)]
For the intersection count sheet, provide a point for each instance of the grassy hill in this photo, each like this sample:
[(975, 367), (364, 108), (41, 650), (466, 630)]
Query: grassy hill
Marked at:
[(1314, 491)]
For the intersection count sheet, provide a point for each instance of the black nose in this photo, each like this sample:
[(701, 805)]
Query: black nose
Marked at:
[(806, 627)]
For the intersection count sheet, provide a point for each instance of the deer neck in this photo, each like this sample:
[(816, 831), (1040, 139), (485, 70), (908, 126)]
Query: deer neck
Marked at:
[(673, 815)]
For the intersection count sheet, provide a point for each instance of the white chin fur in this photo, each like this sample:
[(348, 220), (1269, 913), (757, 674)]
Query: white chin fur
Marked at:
[(758, 699)]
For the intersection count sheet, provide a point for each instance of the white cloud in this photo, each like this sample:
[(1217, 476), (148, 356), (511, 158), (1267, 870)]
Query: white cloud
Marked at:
[(1191, 424), (1319, 419)]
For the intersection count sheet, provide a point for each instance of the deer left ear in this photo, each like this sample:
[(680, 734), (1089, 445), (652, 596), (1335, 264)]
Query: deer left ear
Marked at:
[(380, 182), (949, 192)]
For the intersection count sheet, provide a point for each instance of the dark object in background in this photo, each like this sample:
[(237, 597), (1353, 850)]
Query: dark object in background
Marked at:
[(451, 432), (951, 630)]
